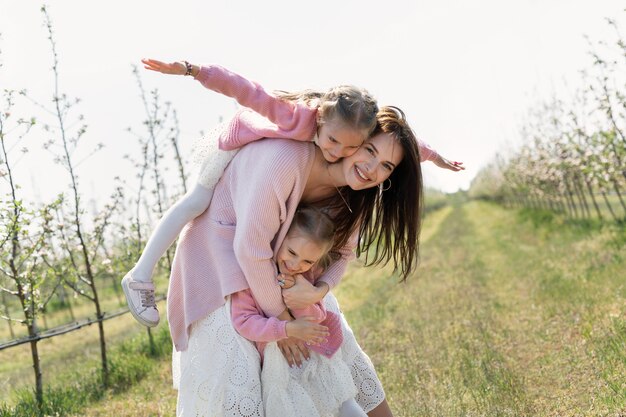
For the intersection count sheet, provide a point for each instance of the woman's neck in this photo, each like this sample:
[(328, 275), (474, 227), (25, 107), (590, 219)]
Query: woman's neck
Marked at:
[(323, 180)]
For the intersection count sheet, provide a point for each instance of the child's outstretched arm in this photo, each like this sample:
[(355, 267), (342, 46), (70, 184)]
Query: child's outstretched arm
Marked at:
[(427, 153), (280, 118)]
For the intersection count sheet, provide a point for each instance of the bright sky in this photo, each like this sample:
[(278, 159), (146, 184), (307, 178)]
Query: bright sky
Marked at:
[(465, 72)]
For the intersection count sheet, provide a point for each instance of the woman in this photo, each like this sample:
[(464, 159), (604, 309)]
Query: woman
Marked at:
[(230, 247)]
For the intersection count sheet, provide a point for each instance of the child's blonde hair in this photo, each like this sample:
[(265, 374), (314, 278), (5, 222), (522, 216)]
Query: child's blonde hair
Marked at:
[(353, 106), (316, 225)]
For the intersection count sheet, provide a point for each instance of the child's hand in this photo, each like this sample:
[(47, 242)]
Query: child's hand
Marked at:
[(308, 330), (175, 68), (442, 162), (286, 281)]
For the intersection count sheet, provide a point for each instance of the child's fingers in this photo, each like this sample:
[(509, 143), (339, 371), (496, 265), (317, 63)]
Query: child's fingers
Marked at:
[(157, 65), (320, 330), (315, 341), (317, 338), (151, 61), (314, 322)]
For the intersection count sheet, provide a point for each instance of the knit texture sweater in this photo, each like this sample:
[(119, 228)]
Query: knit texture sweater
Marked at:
[(232, 245)]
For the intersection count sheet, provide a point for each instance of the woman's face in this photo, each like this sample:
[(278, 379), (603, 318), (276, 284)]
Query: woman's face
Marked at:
[(298, 253), (373, 163)]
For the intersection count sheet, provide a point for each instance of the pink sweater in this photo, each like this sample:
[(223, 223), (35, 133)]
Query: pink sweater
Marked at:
[(231, 246), (270, 116), (249, 321)]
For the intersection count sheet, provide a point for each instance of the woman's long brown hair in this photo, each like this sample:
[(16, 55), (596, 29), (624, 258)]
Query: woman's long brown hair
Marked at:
[(388, 221)]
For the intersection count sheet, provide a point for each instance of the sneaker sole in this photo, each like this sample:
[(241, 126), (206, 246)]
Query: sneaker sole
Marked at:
[(135, 315)]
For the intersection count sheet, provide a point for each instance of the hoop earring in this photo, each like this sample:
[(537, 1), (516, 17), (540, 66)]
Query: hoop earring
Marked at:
[(385, 188)]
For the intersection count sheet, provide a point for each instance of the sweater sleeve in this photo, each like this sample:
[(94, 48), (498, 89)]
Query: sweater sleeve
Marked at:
[(251, 324), (427, 153), (335, 271), (262, 184), (280, 118), (317, 311)]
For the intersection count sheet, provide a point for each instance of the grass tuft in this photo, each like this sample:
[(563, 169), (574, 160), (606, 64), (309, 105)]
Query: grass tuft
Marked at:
[(129, 363)]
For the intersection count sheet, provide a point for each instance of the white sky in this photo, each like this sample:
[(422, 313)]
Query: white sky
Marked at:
[(465, 72)]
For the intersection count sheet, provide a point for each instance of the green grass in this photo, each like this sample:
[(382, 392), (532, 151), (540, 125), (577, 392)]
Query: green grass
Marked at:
[(506, 316), (76, 387), (511, 313), (80, 347)]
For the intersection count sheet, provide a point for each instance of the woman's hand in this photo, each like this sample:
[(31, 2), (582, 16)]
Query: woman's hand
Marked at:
[(175, 68), (303, 293), (307, 330), (286, 281), (294, 351)]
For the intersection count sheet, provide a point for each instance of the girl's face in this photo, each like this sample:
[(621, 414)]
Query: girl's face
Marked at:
[(373, 162), (336, 140), (298, 253)]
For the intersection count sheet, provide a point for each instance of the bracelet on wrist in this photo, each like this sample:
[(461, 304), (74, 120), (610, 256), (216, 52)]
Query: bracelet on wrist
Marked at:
[(188, 68)]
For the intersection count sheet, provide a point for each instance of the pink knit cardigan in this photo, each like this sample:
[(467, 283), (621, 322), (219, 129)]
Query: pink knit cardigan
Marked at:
[(231, 246)]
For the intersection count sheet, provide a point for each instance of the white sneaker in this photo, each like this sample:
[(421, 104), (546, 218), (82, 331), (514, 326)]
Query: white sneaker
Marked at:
[(140, 299)]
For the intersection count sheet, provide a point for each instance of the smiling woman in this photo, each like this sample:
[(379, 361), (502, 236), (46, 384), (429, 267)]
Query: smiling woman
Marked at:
[(372, 164)]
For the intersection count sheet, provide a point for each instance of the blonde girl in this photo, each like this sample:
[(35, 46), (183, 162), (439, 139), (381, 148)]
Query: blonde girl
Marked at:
[(322, 386)]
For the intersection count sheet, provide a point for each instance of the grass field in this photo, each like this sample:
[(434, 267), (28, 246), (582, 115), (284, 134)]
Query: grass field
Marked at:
[(76, 350), (506, 316)]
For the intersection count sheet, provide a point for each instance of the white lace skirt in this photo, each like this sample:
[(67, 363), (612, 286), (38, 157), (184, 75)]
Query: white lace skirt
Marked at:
[(370, 391), (317, 389), (209, 159), (219, 374)]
